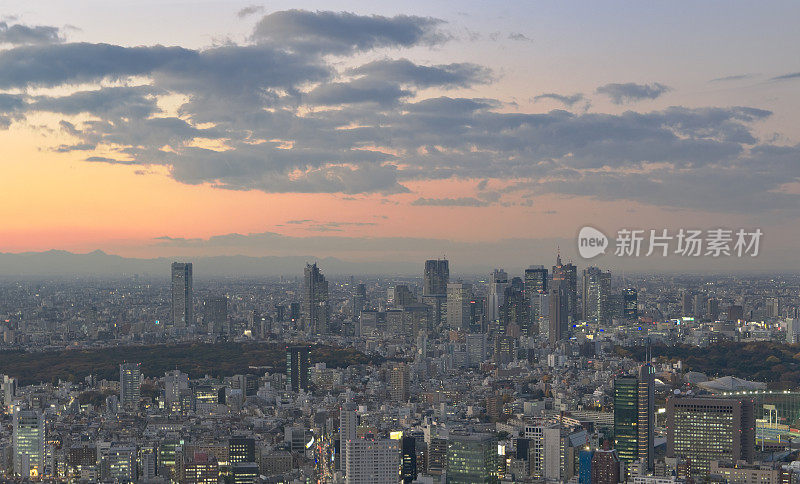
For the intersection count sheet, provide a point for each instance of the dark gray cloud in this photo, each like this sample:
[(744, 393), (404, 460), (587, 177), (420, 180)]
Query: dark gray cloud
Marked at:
[(57, 64), (786, 77), (566, 100), (18, 34), (406, 72), (285, 119), (736, 77), (250, 10), (451, 202), (520, 37), (632, 92), (343, 32)]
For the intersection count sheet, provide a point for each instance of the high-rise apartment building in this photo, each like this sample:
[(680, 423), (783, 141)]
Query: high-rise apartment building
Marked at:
[(315, 311), (182, 297), (399, 382), (706, 429), (130, 385)]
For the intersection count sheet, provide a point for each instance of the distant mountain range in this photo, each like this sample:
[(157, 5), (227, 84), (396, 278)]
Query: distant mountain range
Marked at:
[(63, 263)]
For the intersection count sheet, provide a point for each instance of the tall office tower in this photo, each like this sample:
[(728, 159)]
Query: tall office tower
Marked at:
[(399, 382), (130, 385), (472, 459), (359, 300), (348, 422), (402, 295), (459, 296), (558, 300), (241, 449), (436, 277), (712, 312), (535, 284), (315, 301), (372, 461), (175, 382), (646, 414), (298, 367), (216, 314), (566, 276), (119, 463), (707, 429), (477, 348), (631, 301), (182, 298), (596, 292), (514, 310), (495, 298), (28, 442), (686, 303), (408, 459), (505, 349), (735, 312), (626, 417), (698, 305)]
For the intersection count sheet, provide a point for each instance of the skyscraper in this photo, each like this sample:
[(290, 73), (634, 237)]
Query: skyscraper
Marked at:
[(558, 315), (28, 442), (315, 301), (436, 277), (566, 276), (130, 384), (535, 284), (175, 382), (459, 296), (707, 429), (630, 300), (348, 422), (496, 296), (182, 298), (298, 367), (646, 414), (596, 292), (634, 416), (399, 383), (408, 459), (626, 418), (216, 314), (472, 459)]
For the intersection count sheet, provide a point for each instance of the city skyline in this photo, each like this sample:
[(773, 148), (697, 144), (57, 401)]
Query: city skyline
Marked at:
[(497, 134)]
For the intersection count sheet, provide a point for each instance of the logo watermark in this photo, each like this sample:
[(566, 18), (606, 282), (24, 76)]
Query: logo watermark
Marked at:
[(718, 242)]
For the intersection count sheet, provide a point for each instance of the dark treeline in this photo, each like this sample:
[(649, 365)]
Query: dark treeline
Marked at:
[(774, 363), (196, 359)]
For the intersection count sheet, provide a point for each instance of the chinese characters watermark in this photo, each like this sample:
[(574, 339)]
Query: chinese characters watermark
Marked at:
[(718, 242)]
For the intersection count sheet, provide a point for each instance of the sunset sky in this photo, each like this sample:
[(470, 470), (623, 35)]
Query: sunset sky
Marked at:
[(396, 130)]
